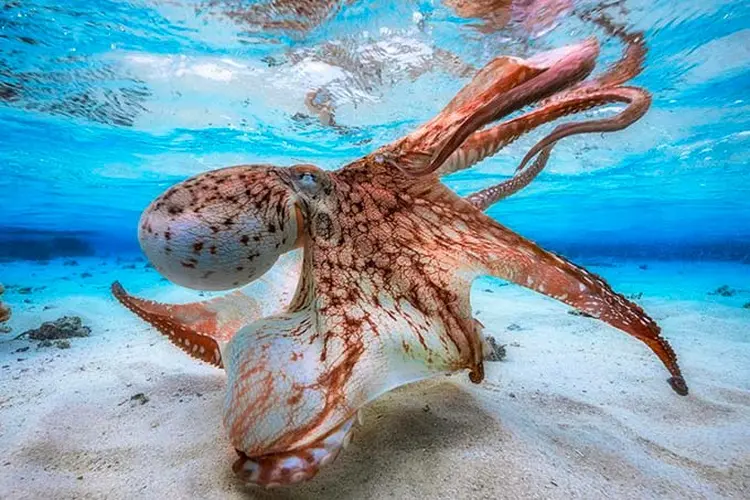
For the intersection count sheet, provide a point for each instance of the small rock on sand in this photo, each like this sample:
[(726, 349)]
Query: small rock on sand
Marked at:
[(139, 398), (62, 328), (578, 312), (724, 291), (4, 310), (496, 352)]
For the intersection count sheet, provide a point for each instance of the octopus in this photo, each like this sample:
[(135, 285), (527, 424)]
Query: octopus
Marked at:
[(4, 310), (351, 283)]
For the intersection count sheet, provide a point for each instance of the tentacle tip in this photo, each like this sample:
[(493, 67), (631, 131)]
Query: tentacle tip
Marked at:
[(117, 289), (678, 385)]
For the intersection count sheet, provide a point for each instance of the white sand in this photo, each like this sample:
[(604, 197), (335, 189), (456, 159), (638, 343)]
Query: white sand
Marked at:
[(578, 410)]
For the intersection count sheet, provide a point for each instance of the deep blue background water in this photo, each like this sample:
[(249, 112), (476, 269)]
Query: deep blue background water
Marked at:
[(104, 104)]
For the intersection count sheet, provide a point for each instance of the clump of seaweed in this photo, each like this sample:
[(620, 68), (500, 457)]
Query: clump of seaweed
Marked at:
[(62, 328), (724, 291), (746, 306), (4, 310)]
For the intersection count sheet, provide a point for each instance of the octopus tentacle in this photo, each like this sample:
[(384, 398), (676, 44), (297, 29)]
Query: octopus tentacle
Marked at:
[(212, 323), (503, 86), (571, 69), (638, 103), (191, 327), (485, 143), (487, 197), (581, 97), (630, 64), (509, 256)]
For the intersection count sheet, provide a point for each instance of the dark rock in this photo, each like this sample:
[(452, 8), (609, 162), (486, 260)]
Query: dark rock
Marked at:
[(578, 312), (129, 266), (24, 290), (70, 262), (724, 291), (634, 296), (86, 275), (63, 344), (643, 267), (747, 306), (139, 398), (4, 310), (497, 351), (514, 327), (63, 328)]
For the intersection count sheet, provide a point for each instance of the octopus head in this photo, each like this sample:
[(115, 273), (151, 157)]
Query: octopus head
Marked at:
[(223, 229)]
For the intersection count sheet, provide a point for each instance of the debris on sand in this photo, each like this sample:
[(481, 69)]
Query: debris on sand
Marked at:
[(578, 312), (4, 310), (724, 291), (136, 399), (496, 351), (62, 328)]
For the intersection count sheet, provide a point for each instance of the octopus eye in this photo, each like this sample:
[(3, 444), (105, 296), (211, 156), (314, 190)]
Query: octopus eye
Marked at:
[(222, 229), (309, 180)]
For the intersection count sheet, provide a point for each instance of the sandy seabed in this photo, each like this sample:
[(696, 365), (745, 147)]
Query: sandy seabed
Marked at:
[(577, 410)]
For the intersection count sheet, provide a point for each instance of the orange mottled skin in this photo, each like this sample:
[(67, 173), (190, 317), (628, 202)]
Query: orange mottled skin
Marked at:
[(388, 255)]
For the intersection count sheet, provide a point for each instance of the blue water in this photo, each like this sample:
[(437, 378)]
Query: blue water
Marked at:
[(104, 104)]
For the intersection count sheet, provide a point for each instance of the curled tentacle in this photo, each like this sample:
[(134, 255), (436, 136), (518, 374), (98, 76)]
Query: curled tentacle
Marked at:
[(573, 66), (503, 86), (583, 96), (638, 101), (487, 142), (630, 64), (489, 196)]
